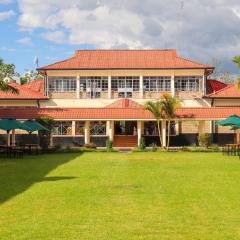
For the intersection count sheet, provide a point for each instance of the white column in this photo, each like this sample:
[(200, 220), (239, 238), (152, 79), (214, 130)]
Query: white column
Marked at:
[(139, 131), (87, 132), (203, 85), (13, 138), (109, 87), (73, 128), (46, 86), (177, 127), (201, 127), (172, 86), (110, 130), (8, 138), (78, 86), (164, 133), (141, 87), (238, 136)]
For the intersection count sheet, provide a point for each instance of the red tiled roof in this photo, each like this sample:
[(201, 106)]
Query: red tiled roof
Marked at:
[(124, 103), (230, 91), (36, 85), (214, 85), (24, 92), (115, 113), (126, 59)]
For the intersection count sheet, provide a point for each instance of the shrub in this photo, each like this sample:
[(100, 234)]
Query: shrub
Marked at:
[(90, 146), (142, 145), (153, 147), (215, 148), (204, 139), (109, 145)]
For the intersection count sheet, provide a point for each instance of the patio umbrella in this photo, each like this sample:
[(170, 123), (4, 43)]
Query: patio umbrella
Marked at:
[(12, 124), (230, 121), (34, 125)]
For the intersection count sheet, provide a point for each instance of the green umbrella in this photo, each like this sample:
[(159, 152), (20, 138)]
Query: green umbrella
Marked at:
[(10, 124), (34, 125), (230, 121)]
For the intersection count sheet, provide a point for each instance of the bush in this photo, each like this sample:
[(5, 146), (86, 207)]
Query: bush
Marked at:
[(109, 145), (142, 145), (153, 147), (204, 139), (90, 146), (215, 148)]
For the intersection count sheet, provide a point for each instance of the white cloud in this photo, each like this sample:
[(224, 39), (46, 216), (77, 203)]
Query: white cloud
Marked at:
[(25, 40), (55, 36), (6, 14), (199, 29)]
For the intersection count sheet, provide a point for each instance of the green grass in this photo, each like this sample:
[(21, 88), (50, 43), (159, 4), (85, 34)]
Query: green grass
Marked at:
[(120, 196)]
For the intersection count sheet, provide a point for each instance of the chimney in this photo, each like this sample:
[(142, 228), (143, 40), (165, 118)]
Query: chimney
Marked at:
[(125, 103)]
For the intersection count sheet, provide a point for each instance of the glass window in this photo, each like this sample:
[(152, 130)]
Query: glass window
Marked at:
[(98, 128), (62, 128), (125, 85), (157, 84), (187, 83), (62, 84), (93, 86)]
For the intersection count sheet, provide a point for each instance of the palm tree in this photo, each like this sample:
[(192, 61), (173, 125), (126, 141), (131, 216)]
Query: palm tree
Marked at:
[(169, 106), (236, 60), (5, 87), (156, 109)]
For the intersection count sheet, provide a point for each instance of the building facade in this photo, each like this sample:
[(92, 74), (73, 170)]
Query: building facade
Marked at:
[(99, 94)]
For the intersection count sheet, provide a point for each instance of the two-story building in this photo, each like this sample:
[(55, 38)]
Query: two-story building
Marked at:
[(99, 94)]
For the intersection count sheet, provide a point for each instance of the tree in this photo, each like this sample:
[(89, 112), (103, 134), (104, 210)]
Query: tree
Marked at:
[(6, 71), (169, 106), (156, 109), (44, 135), (30, 75), (236, 60)]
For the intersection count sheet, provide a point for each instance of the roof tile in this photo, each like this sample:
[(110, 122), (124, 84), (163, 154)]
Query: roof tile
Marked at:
[(125, 59), (24, 92), (115, 113)]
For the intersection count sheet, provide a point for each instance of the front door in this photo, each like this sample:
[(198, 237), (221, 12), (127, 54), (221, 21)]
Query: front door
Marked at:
[(125, 134)]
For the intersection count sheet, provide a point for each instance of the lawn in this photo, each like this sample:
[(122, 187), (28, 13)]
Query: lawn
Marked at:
[(120, 196)]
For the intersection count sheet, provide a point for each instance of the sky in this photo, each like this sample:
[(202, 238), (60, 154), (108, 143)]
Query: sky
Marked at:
[(203, 30)]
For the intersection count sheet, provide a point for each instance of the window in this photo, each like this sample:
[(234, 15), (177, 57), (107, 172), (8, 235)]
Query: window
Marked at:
[(98, 128), (125, 86), (188, 83), (62, 128), (157, 84), (62, 84), (93, 86), (79, 128)]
